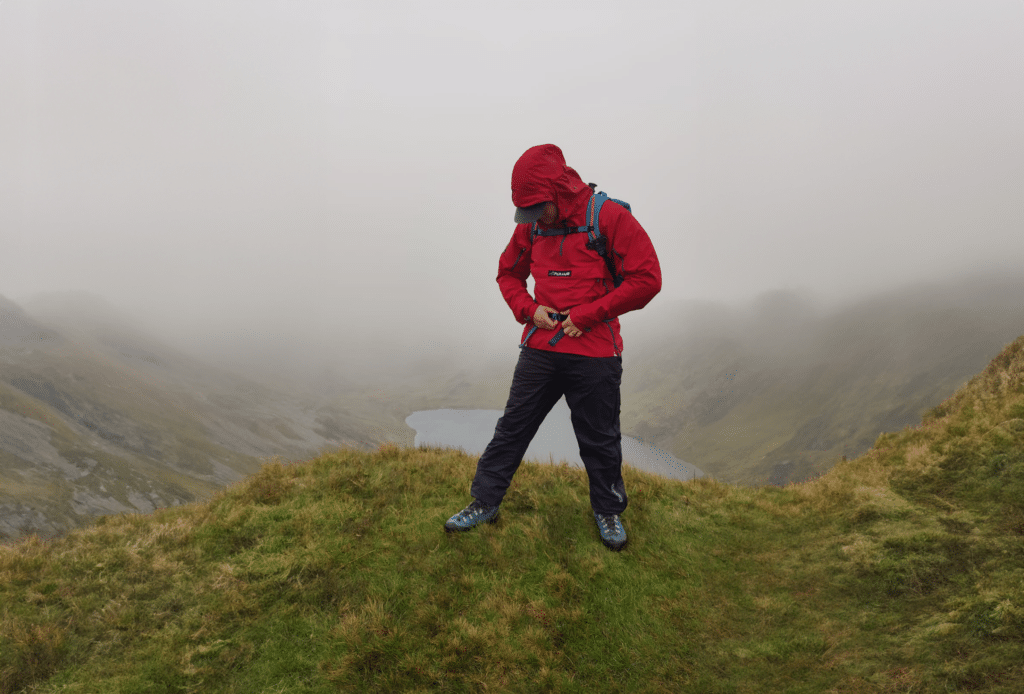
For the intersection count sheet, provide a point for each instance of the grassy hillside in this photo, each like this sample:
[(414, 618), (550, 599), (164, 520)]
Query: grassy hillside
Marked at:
[(781, 390), (899, 571)]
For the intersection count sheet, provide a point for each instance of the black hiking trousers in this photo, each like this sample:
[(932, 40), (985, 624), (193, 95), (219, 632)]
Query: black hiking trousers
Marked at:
[(591, 389)]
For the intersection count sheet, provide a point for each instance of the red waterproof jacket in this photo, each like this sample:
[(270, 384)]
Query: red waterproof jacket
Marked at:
[(567, 275)]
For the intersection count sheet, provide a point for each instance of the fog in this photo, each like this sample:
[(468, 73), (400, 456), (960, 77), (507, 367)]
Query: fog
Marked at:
[(296, 183)]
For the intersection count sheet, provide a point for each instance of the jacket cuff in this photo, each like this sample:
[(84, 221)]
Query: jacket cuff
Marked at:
[(582, 318)]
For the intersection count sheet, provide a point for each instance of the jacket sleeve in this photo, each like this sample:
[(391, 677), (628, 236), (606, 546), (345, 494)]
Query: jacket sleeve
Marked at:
[(634, 257), (513, 269)]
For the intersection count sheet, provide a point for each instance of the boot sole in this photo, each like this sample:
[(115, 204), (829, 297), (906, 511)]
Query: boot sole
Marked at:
[(613, 547)]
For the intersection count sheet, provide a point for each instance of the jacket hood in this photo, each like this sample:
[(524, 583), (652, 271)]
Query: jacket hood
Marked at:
[(541, 175)]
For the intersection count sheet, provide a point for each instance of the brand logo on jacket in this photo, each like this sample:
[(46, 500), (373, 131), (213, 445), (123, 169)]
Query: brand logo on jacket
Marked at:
[(559, 273)]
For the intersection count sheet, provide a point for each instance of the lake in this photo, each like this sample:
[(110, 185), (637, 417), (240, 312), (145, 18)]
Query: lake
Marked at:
[(471, 430)]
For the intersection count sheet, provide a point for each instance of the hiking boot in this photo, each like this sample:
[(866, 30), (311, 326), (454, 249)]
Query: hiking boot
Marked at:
[(613, 535), (471, 516)]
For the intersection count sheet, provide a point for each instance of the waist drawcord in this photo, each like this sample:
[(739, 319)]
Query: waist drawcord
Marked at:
[(557, 317)]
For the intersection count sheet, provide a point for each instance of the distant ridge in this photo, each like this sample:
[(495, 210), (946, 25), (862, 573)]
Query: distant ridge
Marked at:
[(17, 328)]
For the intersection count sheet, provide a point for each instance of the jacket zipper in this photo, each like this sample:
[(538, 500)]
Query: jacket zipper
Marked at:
[(615, 345)]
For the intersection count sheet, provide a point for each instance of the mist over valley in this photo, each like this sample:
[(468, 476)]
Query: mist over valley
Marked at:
[(98, 416)]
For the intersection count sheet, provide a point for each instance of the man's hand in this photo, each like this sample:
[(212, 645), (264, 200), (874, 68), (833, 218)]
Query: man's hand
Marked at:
[(542, 320), (570, 329)]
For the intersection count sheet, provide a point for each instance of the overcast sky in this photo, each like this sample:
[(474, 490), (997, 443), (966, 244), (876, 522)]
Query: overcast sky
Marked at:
[(338, 172)]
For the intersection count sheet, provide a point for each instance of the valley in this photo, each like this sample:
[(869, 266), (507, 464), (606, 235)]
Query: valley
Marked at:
[(97, 417)]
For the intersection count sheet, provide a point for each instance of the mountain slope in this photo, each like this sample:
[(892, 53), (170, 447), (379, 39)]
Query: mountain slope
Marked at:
[(97, 418), (782, 391), (897, 571)]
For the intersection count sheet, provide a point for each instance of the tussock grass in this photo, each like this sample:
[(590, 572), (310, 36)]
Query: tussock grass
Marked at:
[(900, 571)]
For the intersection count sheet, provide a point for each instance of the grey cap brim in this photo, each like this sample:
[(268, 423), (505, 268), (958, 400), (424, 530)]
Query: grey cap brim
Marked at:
[(529, 215)]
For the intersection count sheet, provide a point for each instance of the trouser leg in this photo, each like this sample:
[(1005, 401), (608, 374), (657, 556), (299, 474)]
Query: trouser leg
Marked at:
[(535, 390), (592, 393)]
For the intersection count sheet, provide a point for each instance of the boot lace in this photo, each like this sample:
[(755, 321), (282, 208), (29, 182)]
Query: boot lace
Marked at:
[(610, 524)]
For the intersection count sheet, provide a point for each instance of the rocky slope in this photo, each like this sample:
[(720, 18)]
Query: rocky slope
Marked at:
[(98, 418)]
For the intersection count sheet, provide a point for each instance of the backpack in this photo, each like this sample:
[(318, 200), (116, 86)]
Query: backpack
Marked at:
[(598, 242)]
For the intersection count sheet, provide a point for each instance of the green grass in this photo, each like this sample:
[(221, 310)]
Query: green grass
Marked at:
[(900, 571)]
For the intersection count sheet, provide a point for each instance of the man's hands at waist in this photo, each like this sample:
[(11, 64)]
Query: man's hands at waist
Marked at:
[(542, 319), (570, 329)]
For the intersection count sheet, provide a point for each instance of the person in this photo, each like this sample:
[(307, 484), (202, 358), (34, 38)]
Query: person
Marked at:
[(571, 343)]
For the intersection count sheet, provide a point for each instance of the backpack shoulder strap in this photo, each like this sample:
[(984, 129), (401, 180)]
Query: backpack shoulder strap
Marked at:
[(597, 201), (598, 242)]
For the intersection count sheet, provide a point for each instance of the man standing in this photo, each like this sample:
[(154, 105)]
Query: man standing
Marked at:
[(571, 344)]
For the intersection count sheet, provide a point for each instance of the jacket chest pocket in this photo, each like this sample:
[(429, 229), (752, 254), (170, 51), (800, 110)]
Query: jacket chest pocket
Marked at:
[(567, 258)]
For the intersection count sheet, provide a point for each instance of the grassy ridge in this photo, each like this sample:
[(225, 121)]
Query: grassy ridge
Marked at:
[(899, 571)]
